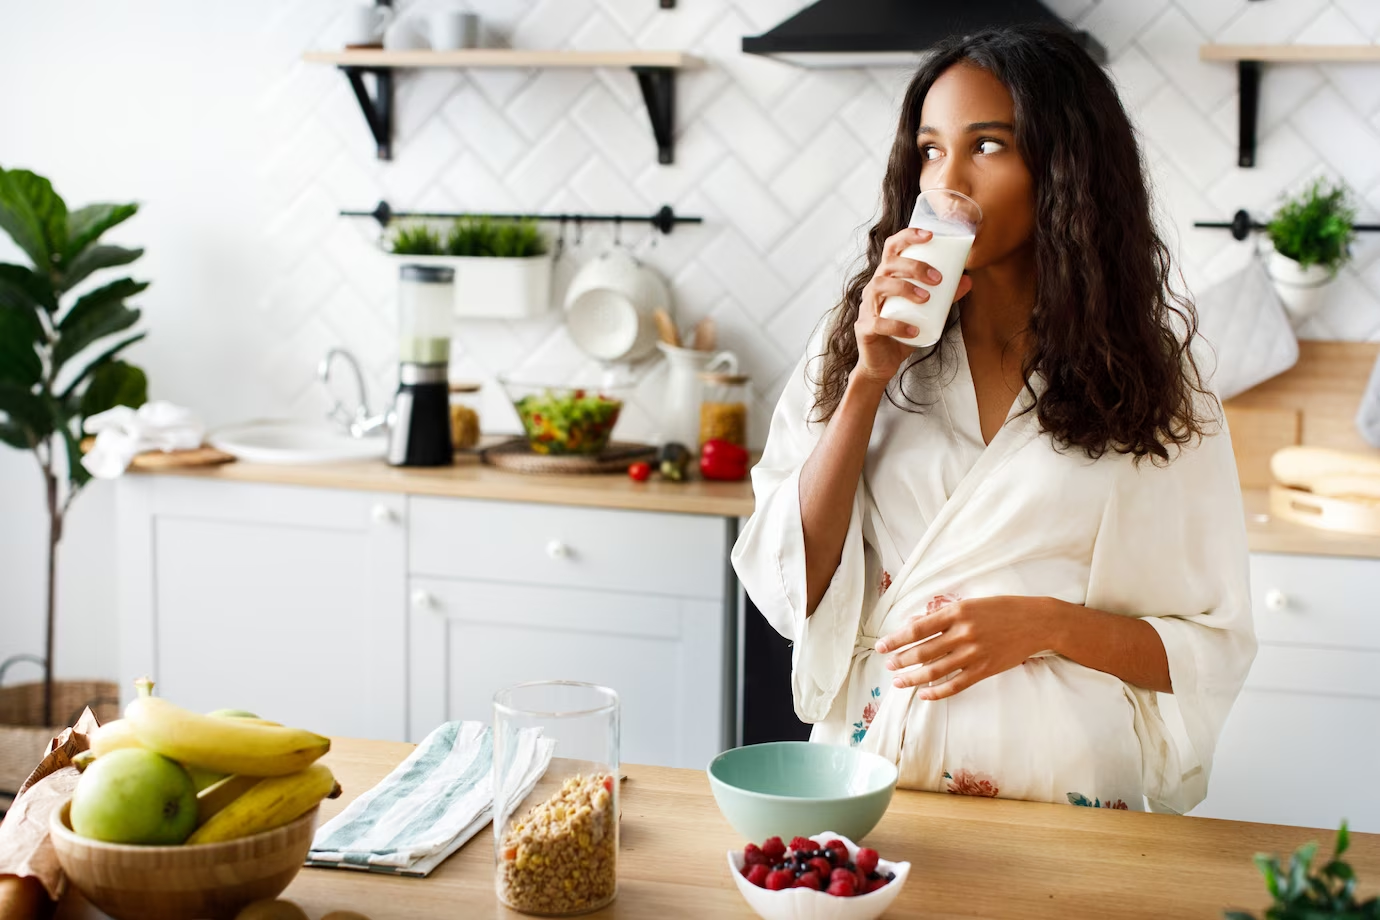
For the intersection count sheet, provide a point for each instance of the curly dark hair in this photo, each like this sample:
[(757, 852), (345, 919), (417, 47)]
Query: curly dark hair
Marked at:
[(1108, 333)]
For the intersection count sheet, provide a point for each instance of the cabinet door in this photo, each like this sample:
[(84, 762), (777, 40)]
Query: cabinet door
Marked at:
[(288, 602), (667, 658)]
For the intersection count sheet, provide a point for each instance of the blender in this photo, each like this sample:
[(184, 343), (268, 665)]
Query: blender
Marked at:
[(419, 434)]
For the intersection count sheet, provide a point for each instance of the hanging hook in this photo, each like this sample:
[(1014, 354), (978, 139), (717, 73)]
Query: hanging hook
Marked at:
[(618, 231), (560, 240), (579, 230)]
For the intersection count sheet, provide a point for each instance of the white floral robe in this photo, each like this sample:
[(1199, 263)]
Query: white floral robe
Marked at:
[(938, 515)]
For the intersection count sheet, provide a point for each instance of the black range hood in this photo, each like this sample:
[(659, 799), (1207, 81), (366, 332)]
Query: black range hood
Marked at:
[(869, 33)]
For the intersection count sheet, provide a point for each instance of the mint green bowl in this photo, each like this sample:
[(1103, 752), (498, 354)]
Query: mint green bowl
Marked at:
[(798, 788)]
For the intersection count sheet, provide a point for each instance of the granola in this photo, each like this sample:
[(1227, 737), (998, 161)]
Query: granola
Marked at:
[(561, 857)]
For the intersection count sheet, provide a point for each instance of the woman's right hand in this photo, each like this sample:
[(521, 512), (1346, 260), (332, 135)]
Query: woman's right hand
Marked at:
[(880, 355)]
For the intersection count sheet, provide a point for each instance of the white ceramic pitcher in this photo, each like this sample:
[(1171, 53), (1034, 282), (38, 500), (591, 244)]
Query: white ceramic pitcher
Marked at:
[(681, 404)]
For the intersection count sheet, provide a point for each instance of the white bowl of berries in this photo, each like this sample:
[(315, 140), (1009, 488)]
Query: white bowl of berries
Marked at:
[(783, 882)]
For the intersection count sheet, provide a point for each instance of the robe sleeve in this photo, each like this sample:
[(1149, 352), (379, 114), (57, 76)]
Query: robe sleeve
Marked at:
[(1172, 549), (769, 555)]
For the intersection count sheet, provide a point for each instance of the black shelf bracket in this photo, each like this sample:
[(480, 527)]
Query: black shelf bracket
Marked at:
[(378, 110), (1248, 111), (659, 93)]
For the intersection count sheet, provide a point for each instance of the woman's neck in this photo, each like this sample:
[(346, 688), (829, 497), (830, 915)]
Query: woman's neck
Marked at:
[(996, 311)]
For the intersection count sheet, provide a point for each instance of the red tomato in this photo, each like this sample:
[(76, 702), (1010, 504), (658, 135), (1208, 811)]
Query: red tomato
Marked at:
[(640, 471)]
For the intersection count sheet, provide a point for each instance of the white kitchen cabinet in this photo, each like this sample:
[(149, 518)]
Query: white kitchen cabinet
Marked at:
[(381, 615), (1302, 744), (289, 602), (637, 601)]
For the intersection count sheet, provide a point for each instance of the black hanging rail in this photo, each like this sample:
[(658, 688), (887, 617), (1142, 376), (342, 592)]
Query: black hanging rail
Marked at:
[(1242, 224), (664, 219)]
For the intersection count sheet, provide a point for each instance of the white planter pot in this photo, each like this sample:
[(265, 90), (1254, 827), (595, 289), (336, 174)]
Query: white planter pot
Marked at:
[(1301, 290), (493, 288)]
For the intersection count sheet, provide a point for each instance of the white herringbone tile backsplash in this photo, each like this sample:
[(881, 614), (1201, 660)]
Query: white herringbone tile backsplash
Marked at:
[(784, 164)]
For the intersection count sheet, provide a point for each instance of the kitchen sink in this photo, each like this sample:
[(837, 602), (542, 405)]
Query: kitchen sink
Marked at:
[(291, 442)]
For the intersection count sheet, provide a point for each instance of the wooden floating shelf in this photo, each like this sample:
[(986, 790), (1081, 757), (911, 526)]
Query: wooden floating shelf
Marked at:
[(503, 57), (655, 72), (1250, 58), (1292, 54)]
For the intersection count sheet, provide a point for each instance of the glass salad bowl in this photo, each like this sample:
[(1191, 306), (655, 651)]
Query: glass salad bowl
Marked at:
[(562, 419)]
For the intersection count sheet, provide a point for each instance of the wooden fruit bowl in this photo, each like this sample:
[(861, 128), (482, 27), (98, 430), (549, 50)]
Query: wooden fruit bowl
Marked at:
[(210, 880)]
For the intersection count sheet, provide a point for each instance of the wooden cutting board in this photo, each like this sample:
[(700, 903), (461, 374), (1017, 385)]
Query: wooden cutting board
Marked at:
[(161, 460)]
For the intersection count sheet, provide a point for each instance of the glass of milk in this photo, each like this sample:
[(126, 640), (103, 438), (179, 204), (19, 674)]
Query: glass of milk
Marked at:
[(954, 219)]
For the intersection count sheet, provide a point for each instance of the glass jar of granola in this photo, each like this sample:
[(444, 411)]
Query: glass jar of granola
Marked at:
[(556, 834)]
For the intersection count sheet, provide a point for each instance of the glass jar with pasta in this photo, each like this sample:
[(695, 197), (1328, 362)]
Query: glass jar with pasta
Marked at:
[(724, 403)]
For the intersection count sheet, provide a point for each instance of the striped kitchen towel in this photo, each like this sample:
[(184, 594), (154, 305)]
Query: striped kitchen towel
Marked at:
[(431, 804)]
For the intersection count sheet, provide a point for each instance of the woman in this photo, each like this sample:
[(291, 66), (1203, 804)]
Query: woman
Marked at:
[(1046, 497)]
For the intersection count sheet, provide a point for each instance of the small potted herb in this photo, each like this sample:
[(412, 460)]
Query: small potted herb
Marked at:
[(1312, 234), (502, 267), (1300, 895)]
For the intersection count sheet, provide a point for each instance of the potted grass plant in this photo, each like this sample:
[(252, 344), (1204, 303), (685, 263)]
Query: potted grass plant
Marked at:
[(1312, 235), (502, 267), (59, 365)]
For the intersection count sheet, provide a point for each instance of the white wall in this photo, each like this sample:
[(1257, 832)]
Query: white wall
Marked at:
[(241, 155)]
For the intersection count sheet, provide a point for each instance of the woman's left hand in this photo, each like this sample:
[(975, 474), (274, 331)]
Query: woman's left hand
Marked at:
[(977, 638)]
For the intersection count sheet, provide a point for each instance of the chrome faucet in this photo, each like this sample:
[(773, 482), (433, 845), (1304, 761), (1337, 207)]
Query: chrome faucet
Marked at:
[(359, 422)]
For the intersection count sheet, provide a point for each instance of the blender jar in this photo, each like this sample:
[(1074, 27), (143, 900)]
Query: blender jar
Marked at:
[(556, 850), (424, 304)]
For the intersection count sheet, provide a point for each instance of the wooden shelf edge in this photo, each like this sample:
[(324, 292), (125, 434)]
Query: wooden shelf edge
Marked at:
[(1300, 54), (503, 57)]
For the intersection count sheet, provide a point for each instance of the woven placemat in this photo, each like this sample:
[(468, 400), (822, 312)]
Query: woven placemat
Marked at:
[(517, 455)]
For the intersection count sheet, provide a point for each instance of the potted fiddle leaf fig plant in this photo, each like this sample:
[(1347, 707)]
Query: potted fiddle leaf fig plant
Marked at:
[(59, 365), (1312, 235)]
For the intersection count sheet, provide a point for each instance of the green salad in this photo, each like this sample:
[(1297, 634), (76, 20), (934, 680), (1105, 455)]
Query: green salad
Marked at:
[(573, 422)]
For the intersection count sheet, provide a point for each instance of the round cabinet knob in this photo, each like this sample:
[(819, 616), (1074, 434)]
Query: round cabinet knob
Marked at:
[(424, 600), (557, 550), (1276, 600), (382, 514)]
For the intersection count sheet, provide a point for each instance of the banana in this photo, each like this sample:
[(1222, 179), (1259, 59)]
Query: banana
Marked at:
[(268, 803), (213, 799), (112, 736), (222, 745)]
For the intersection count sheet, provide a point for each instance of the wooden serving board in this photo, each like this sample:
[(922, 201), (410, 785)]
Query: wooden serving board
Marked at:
[(517, 455), (1337, 514), (167, 460)]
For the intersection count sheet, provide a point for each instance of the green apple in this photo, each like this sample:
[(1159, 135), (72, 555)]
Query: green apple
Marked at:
[(134, 796)]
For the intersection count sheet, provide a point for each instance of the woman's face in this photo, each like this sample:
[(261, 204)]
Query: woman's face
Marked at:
[(967, 143)]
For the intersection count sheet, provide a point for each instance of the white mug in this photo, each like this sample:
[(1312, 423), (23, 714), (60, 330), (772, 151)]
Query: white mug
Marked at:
[(451, 30), (365, 23)]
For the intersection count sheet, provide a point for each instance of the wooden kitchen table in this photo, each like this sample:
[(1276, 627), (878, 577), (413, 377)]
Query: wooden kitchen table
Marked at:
[(970, 857)]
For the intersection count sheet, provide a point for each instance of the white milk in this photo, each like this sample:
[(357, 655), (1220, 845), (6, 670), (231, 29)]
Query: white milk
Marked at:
[(948, 255)]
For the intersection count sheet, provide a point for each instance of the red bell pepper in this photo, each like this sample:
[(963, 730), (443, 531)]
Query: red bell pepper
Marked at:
[(721, 459)]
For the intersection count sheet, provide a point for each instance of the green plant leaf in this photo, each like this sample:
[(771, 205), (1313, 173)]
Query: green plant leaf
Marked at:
[(1314, 227), (114, 383), (1343, 841), (20, 331), (1237, 915), (33, 215), (94, 259), (95, 315), (25, 410), (23, 288), (77, 474), (13, 435), (85, 226), (97, 362)]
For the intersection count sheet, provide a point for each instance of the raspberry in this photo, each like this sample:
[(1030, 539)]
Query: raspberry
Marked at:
[(821, 867), (808, 880), (781, 878), (757, 874), (837, 844), (843, 888), (875, 884), (844, 874), (774, 849), (753, 856), (800, 844), (866, 860)]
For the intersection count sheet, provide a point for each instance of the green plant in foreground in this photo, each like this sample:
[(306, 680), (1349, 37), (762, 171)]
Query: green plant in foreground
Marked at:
[(1314, 227), (483, 236), (416, 240), (1328, 895), (45, 394)]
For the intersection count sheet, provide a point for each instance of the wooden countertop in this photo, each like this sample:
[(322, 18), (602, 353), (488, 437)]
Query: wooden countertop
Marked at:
[(971, 857), (469, 479)]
